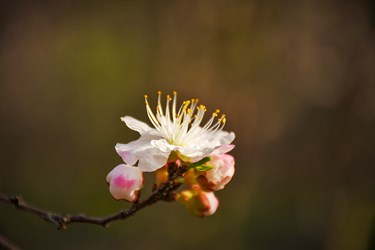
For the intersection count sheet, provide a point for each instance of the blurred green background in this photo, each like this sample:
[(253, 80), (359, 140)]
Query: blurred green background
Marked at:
[(296, 80)]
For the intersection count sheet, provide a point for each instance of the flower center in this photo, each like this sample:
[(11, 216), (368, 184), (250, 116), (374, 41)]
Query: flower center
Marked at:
[(182, 127)]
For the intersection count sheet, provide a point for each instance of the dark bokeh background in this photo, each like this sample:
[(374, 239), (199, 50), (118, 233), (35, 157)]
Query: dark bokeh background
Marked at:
[(296, 80)]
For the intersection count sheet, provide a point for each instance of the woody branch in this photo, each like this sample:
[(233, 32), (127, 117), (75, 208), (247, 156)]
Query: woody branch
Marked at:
[(164, 192)]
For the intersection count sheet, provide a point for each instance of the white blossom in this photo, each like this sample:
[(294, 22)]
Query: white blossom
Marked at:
[(174, 130)]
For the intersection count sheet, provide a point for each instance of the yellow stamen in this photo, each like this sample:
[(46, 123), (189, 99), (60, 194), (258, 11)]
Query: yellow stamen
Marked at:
[(179, 127)]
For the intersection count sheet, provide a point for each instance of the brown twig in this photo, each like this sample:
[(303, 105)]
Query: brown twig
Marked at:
[(61, 221), (7, 244)]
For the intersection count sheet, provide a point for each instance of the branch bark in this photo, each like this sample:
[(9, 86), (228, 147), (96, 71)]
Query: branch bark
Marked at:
[(164, 192), (7, 244)]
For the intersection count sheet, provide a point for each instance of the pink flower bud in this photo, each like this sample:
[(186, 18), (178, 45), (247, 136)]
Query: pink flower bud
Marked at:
[(125, 182), (199, 202), (221, 173)]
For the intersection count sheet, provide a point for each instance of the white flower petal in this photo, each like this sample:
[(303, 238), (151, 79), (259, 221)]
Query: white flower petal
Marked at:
[(223, 149), (126, 151), (195, 150), (150, 158), (224, 138), (163, 145), (136, 125)]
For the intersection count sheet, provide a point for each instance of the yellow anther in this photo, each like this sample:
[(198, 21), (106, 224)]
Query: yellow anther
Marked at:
[(222, 119), (169, 98), (186, 104), (159, 92), (217, 111), (202, 107), (214, 114)]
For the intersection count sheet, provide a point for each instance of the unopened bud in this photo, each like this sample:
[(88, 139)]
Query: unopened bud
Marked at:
[(221, 173), (199, 202), (125, 181)]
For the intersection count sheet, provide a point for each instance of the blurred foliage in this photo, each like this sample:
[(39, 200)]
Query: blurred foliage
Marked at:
[(295, 79)]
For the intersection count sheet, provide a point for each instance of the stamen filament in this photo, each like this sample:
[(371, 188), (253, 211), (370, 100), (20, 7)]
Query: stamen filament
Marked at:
[(181, 127)]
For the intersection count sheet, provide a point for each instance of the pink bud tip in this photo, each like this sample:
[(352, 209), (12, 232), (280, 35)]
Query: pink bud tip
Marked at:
[(124, 182)]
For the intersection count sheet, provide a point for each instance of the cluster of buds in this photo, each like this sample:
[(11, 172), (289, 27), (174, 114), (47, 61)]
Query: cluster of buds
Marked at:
[(178, 139), (203, 180)]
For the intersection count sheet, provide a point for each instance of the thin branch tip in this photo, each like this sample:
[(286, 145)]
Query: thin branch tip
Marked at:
[(164, 193)]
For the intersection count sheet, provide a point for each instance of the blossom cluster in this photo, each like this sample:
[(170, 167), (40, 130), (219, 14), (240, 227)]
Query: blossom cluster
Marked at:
[(179, 138)]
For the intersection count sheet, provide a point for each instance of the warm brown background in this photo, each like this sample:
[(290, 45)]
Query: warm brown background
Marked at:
[(295, 78)]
